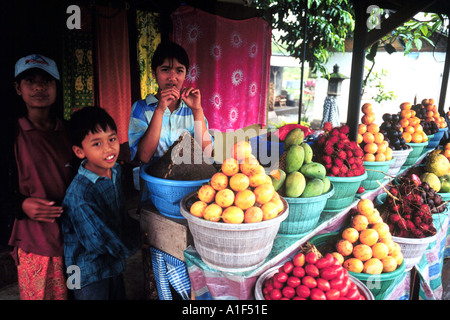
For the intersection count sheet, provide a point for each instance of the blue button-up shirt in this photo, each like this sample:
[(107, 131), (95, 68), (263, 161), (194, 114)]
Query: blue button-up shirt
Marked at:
[(92, 223)]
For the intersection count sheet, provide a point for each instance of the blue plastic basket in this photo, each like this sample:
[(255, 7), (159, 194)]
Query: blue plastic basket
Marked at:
[(166, 194)]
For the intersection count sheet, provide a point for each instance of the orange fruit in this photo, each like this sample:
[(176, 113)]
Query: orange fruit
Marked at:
[(398, 256), (416, 137), (277, 201), (447, 153), (219, 181), (365, 206), (369, 157), (344, 247), (233, 215), (381, 148), (378, 138), (225, 198), (409, 129), (389, 243), (371, 148), (350, 234), (244, 199), (270, 210), (253, 214), (367, 119), (338, 256), (380, 250), (413, 121), (413, 113), (368, 237), (404, 123), (374, 217), (383, 229), (388, 154), (206, 193), (213, 212), (353, 265), (198, 208), (249, 165), (360, 222), (257, 179), (366, 108), (368, 137), (396, 249), (362, 252), (362, 128), (389, 264), (407, 136), (359, 138), (405, 114), (239, 182), (373, 128), (405, 106), (373, 266), (230, 167), (418, 128), (264, 193), (241, 150), (380, 157)]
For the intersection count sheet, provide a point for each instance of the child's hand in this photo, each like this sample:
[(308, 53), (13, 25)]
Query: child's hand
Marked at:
[(168, 96), (192, 98), (41, 209)]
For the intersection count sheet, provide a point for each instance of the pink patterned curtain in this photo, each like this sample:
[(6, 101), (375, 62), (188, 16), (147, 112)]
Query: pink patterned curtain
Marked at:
[(230, 64)]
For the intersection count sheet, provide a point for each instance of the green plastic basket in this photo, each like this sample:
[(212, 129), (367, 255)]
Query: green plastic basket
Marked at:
[(304, 213), (418, 148), (378, 284), (345, 189), (376, 170)]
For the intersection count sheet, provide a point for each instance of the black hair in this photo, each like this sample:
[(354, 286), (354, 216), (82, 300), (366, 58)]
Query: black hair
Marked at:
[(89, 120), (169, 50)]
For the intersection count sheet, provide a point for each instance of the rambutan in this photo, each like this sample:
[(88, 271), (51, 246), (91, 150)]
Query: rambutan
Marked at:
[(321, 140), (335, 170), (349, 154), (342, 155), (333, 139), (344, 129), (328, 150), (334, 132), (359, 152), (326, 159), (327, 126), (343, 169), (338, 162), (340, 145), (342, 136)]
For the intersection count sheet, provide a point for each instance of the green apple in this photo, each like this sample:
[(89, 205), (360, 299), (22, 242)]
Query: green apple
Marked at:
[(445, 183)]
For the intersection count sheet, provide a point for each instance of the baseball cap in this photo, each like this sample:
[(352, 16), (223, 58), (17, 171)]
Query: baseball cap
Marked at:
[(36, 61)]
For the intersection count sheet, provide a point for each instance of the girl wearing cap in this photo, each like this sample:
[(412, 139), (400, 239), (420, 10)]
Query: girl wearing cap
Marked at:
[(40, 167)]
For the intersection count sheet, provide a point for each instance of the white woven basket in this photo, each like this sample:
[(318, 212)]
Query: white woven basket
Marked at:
[(413, 249), (400, 157)]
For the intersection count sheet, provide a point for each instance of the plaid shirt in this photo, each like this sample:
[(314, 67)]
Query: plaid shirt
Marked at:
[(92, 224), (173, 124)]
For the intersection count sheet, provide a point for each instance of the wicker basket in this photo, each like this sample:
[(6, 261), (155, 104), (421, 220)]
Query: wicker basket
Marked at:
[(232, 247), (400, 157), (304, 213), (270, 272), (413, 249)]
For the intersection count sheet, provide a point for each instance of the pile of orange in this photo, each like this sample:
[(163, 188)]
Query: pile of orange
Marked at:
[(412, 130), (432, 113), (366, 245), (370, 139), (241, 192)]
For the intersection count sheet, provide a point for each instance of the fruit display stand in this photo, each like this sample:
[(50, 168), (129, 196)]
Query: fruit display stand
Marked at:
[(209, 283)]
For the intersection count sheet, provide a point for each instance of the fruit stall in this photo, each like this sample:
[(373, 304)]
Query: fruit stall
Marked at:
[(371, 213)]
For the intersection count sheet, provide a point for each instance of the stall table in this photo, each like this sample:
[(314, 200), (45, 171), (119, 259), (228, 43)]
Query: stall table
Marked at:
[(208, 283)]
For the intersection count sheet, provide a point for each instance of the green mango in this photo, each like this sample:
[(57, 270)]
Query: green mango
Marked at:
[(314, 170), (313, 188), (278, 183), (295, 184), (294, 158), (294, 137), (308, 152), (326, 185)]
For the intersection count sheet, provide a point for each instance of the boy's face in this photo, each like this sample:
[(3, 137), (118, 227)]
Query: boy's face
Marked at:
[(170, 73), (38, 89), (101, 150)]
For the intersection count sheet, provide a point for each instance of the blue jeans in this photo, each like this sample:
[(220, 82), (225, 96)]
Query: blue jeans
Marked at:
[(107, 289)]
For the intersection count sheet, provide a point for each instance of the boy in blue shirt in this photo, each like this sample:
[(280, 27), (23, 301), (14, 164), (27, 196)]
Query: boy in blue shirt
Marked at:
[(95, 220)]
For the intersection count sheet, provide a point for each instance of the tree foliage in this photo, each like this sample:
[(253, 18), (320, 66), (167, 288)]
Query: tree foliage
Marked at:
[(329, 23)]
